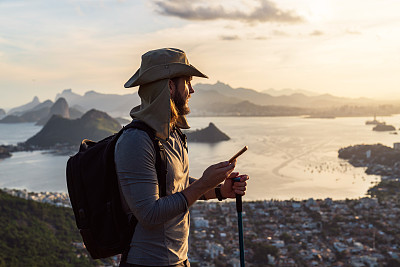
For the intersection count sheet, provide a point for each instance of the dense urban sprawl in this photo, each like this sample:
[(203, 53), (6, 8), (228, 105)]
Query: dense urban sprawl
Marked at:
[(357, 232)]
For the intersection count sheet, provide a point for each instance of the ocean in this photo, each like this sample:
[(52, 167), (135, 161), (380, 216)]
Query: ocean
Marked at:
[(288, 157)]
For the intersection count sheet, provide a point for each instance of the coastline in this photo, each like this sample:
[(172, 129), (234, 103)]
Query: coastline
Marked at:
[(307, 147)]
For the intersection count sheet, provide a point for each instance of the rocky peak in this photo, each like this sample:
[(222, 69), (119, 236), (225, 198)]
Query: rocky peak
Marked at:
[(210, 134), (95, 114), (60, 107)]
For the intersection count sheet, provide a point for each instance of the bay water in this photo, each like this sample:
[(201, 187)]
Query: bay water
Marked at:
[(288, 157)]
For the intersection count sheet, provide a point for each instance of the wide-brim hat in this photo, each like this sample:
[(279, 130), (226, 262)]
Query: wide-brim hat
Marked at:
[(165, 63)]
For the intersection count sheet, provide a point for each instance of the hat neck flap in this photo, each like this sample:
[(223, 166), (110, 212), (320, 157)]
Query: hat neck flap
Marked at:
[(155, 108)]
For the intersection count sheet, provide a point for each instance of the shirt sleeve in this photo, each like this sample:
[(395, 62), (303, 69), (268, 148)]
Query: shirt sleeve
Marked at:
[(135, 158), (192, 180)]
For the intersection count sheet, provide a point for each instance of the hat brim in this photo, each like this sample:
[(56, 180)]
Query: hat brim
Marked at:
[(160, 72)]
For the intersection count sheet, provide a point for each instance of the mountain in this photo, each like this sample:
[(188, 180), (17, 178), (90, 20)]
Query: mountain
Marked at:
[(46, 104), (288, 91), (113, 104), (240, 94), (60, 108), (94, 125), (210, 134), (20, 109), (2, 113), (294, 100), (42, 112), (12, 119), (38, 112), (221, 99)]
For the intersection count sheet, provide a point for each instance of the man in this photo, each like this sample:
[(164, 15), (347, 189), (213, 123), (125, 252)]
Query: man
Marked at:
[(161, 235)]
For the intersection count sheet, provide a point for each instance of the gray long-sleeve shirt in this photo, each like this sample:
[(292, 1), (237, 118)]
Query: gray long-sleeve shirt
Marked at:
[(161, 235)]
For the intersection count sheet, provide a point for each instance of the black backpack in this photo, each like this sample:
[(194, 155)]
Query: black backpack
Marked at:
[(95, 196)]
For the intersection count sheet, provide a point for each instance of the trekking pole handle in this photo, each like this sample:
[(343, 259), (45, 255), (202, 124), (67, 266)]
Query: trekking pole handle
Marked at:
[(238, 197)]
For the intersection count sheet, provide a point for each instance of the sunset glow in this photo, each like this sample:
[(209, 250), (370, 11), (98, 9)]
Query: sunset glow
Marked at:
[(338, 47)]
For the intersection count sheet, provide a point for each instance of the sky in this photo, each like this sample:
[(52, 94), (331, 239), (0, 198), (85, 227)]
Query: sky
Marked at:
[(344, 48)]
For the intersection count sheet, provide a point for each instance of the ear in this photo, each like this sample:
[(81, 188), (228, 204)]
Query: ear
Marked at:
[(171, 86)]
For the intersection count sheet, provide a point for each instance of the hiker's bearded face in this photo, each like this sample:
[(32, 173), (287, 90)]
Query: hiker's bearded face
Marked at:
[(182, 95), (182, 103)]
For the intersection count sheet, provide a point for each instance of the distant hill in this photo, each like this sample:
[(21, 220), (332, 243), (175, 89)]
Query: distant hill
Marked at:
[(221, 99), (294, 100), (94, 125), (20, 109), (210, 134), (60, 108), (2, 113), (115, 105), (288, 91), (12, 119), (36, 234), (42, 112)]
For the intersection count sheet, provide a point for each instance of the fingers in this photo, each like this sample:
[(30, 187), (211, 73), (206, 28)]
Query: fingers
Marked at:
[(238, 192), (244, 177), (217, 173), (233, 175), (225, 168), (240, 187), (225, 164)]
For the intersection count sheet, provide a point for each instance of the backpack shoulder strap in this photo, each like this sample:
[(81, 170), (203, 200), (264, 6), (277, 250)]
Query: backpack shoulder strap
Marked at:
[(161, 157), (183, 138)]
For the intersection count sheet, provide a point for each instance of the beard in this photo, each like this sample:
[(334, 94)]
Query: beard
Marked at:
[(181, 103)]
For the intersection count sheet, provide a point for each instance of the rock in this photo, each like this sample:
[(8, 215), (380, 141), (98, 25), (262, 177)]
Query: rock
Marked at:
[(210, 134), (60, 107), (382, 127), (59, 131), (4, 153)]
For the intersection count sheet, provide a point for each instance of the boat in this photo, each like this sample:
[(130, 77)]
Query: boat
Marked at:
[(382, 127), (373, 122)]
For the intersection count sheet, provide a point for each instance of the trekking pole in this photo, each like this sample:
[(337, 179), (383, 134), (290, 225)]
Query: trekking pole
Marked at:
[(240, 223)]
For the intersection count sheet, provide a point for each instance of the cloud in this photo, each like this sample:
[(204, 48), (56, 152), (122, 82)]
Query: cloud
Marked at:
[(266, 11), (229, 37), (316, 33), (279, 33), (261, 38), (348, 31)]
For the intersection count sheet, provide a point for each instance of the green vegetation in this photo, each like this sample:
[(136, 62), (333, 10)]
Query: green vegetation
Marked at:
[(37, 234), (386, 190), (261, 252), (94, 125)]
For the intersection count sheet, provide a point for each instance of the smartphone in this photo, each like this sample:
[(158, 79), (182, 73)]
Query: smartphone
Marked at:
[(238, 154)]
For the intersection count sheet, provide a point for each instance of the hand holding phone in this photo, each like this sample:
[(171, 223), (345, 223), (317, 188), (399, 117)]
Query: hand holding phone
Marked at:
[(238, 154)]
